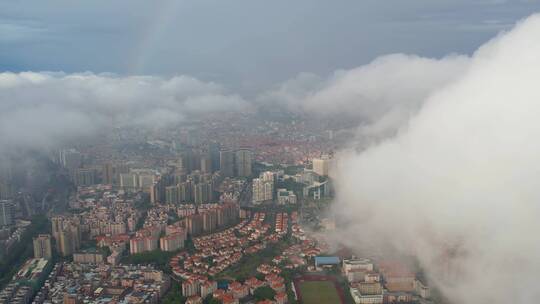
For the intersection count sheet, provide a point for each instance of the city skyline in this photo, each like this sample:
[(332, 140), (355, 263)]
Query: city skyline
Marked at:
[(306, 152)]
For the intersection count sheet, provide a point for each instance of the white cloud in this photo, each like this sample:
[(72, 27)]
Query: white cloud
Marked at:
[(40, 109), (381, 95), (458, 186), (20, 31)]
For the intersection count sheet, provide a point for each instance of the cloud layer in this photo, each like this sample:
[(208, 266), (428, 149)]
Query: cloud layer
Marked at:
[(41, 109), (382, 95), (241, 43), (458, 186)]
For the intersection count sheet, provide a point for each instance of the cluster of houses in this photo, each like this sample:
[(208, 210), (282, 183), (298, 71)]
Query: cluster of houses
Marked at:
[(218, 251), (196, 291)]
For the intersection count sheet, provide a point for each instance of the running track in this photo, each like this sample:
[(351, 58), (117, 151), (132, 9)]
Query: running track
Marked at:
[(316, 278)]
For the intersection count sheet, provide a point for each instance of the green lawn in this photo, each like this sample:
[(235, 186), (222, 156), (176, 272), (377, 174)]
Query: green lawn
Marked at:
[(249, 263), (323, 292)]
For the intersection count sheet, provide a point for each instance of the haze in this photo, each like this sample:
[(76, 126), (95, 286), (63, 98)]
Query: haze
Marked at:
[(429, 108)]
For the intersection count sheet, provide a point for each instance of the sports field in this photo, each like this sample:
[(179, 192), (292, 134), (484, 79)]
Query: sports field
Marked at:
[(319, 292)]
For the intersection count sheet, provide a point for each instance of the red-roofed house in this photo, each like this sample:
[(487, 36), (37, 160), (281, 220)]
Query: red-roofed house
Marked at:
[(281, 298), (194, 300)]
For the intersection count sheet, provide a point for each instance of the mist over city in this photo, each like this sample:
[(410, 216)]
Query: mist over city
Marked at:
[(250, 152)]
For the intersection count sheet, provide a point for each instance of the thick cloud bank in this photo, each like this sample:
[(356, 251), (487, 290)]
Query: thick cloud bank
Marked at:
[(459, 186), (41, 109), (382, 95)]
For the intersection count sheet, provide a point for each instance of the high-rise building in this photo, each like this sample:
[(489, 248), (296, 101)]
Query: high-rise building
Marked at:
[(172, 195), (85, 177), (7, 190), (189, 161), (140, 244), (158, 187), (107, 175), (263, 187), (151, 243), (185, 192), (146, 180), (207, 287), (65, 242), (243, 159), (203, 193), (194, 224), (128, 180), (118, 228), (172, 242), (214, 155), (42, 246), (206, 164), (67, 235), (57, 224), (210, 220), (117, 170), (324, 165), (70, 159), (136, 245), (88, 257), (155, 194), (190, 287), (6, 213), (139, 179), (226, 163)]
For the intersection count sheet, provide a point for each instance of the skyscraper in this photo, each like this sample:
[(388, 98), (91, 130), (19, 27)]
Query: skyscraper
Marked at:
[(7, 190), (189, 161), (128, 181), (263, 187), (67, 235), (194, 224), (85, 177), (226, 163), (71, 159), (185, 192), (243, 158), (203, 193), (107, 174), (213, 148), (6, 213), (42, 246), (206, 164), (57, 224), (138, 179), (65, 242), (172, 195), (324, 165)]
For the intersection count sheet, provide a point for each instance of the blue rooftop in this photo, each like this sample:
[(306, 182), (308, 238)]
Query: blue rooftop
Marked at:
[(320, 260)]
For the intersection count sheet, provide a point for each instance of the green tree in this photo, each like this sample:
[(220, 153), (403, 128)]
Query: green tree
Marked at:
[(263, 293), (211, 300), (158, 258), (174, 295)]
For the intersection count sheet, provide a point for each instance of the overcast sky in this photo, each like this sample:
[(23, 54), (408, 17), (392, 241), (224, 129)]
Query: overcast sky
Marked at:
[(244, 44)]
